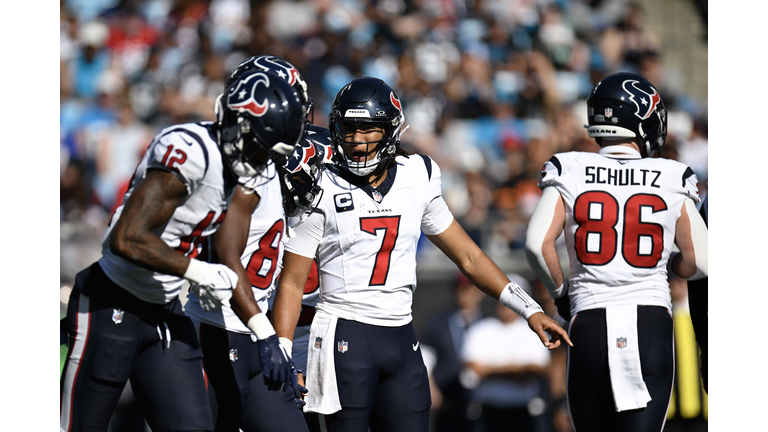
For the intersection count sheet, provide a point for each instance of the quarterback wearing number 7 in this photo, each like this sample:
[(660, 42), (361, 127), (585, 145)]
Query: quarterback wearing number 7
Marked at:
[(364, 366)]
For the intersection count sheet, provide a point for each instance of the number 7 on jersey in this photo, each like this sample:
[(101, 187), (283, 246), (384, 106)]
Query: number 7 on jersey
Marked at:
[(390, 225)]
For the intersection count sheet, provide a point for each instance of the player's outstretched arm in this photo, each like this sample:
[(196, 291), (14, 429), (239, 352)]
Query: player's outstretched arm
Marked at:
[(149, 207), (543, 326), (489, 278), (228, 245)]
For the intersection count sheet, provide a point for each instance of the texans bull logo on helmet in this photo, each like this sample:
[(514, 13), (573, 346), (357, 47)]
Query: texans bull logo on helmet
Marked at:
[(289, 73), (282, 68), (325, 148), (396, 102), (241, 97), (300, 157), (645, 101)]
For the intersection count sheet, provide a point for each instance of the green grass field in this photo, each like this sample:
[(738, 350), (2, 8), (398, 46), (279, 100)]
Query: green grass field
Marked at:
[(62, 357)]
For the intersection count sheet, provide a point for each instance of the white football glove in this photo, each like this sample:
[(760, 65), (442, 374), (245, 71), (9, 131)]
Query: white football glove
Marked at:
[(212, 284)]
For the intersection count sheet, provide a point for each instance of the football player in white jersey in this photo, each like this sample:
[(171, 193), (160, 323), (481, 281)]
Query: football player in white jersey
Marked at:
[(255, 226), (622, 210), (125, 318), (364, 365)]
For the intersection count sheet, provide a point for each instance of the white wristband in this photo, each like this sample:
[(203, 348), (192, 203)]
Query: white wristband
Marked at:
[(516, 299), (561, 290), (196, 271), (287, 345), (260, 326)]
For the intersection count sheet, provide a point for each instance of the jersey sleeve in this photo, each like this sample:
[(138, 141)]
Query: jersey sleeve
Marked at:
[(550, 173), (307, 236), (435, 178), (437, 216), (691, 185), (182, 155)]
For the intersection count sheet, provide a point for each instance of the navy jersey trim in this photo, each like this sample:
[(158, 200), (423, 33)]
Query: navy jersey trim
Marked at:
[(362, 182), (197, 139), (230, 179), (556, 162), (688, 172), (386, 185), (428, 163)]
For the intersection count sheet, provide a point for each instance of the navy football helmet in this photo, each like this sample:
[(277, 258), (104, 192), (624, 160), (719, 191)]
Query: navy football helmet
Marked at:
[(260, 117), (303, 171), (280, 67), (626, 105), (369, 101)]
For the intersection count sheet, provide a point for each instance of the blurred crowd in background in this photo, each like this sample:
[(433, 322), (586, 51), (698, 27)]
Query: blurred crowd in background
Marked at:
[(490, 90)]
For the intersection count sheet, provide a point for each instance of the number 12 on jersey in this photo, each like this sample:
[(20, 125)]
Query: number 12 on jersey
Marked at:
[(597, 214)]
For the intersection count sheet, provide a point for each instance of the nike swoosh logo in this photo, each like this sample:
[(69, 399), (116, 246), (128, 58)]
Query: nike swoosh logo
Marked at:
[(416, 346), (184, 138)]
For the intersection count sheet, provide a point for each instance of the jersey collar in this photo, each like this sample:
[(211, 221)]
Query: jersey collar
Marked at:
[(620, 152), (362, 183)]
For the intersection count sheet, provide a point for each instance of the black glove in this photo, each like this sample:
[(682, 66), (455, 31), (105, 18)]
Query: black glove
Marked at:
[(298, 390), (564, 307), (275, 364)]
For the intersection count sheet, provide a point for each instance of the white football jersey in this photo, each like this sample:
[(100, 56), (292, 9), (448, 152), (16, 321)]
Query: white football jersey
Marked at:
[(190, 152), (619, 225), (366, 239), (262, 257)]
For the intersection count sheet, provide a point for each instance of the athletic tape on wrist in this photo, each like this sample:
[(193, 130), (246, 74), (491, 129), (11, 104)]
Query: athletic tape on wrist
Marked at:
[(260, 326), (516, 299), (196, 271), (287, 345), (560, 291)]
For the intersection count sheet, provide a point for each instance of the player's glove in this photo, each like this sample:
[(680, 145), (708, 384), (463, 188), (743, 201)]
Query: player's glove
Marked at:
[(276, 366), (212, 284), (564, 306), (298, 390)]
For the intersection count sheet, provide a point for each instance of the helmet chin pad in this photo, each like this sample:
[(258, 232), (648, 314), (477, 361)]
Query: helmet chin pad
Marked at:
[(383, 153)]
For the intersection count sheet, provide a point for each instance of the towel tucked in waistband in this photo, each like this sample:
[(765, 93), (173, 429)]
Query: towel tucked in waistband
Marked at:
[(629, 389), (323, 393)]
